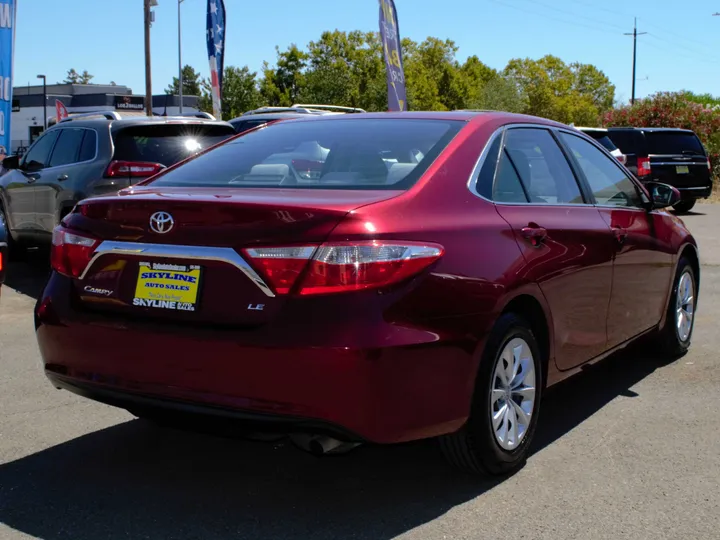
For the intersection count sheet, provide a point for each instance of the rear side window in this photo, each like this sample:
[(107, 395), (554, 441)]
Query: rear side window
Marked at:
[(603, 139), (245, 125), (673, 142), (88, 149), (625, 140), (68, 147), (326, 154), (166, 144)]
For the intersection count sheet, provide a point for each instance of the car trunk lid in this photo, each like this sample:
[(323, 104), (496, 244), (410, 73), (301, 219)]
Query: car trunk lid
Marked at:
[(177, 254)]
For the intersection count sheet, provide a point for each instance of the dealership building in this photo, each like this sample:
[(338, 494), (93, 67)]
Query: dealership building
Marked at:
[(27, 106)]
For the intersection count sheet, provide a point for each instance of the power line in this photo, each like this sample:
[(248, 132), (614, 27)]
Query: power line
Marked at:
[(634, 34), (576, 15)]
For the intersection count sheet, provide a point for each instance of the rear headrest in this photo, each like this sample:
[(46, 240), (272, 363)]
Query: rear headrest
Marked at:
[(399, 171)]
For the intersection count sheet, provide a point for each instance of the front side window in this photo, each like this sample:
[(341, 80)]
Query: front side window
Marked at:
[(608, 182), (357, 153), (38, 157)]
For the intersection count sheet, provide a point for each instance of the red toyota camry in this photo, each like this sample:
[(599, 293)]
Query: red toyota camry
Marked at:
[(369, 278)]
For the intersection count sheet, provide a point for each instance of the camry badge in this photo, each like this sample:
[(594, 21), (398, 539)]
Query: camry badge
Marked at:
[(161, 222)]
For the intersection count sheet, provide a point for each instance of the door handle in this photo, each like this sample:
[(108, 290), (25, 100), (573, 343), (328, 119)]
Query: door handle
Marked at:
[(536, 235), (62, 177), (620, 234)]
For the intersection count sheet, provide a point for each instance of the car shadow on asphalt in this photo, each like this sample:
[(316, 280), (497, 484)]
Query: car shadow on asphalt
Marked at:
[(29, 275), (134, 480)]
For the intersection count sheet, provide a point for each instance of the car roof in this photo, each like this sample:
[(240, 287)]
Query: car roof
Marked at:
[(651, 129), (459, 115)]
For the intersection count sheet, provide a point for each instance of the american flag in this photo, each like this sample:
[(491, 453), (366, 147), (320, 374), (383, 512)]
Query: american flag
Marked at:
[(216, 50)]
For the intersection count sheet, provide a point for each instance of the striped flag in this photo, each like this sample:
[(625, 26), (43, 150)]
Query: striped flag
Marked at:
[(216, 51)]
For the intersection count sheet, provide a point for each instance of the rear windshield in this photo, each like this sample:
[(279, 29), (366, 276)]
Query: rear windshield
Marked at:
[(168, 143), (673, 142), (603, 139), (363, 153)]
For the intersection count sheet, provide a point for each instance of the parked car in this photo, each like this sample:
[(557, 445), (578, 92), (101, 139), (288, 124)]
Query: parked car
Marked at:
[(669, 155), (601, 136), (90, 155), (430, 278), (264, 115)]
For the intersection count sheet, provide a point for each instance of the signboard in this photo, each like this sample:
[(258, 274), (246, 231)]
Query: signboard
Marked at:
[(130, 103), (7, 44)]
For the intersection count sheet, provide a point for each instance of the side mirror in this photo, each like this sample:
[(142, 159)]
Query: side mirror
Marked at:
[(11, 162), (663, 195)]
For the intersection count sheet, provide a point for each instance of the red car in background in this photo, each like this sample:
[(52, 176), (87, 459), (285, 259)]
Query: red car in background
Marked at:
[(369, 278)]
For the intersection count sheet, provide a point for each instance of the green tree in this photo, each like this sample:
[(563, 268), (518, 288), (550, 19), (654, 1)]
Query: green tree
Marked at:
[(85, 77), (283, 84), (240, 91), (192, 83), (73, 77)]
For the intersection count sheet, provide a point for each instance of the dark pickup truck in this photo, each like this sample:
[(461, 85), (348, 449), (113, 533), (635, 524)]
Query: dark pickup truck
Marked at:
[(668, 155)]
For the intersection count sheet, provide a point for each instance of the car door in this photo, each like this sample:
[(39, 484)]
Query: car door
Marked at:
[(644, 258), (567, 246), (64, 165), (20, 191)]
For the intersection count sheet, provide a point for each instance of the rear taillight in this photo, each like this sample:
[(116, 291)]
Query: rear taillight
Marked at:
[(643, 166), (308, 169), (71, 252), (709, 165), (342, 267), (133, 169)]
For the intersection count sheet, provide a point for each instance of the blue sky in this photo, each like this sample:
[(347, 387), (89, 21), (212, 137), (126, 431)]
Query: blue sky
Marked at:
[(681, 50)]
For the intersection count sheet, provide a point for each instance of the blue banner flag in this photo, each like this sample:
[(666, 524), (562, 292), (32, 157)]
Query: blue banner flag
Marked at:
[(390, 35), (7, 44), (216, 51)]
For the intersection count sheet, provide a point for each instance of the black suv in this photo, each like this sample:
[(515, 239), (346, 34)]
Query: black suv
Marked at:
[(264, 115), (89, 155), (668, 155)]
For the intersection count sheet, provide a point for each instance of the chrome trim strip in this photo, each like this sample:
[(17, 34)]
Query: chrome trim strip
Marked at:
[(678, 163), (202, 253), (691, 188)]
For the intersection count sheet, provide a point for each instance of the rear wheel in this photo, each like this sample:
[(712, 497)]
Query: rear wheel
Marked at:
[(676, 335), (684, 206), (497, 436)]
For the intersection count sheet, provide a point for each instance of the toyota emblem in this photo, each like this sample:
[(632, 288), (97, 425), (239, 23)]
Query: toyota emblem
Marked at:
[(161, 222)]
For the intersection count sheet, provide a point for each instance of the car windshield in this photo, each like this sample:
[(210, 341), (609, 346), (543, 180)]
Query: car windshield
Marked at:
[(388, 153), (167, 144), (673, 142)]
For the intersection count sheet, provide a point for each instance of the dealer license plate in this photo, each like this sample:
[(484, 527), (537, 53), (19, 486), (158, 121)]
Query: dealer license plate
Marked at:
[(167, 286), (682, 169)]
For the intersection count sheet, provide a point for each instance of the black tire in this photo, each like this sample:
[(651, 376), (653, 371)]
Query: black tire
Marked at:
[(671, 343), (684, 207), (474, 448)]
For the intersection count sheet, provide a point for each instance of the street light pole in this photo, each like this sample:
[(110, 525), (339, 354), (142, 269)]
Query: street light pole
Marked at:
[(148, 69), (44, 80), (180, 66)]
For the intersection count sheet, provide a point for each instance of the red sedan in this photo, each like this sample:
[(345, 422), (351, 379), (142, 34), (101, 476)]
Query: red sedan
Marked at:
[(369, 278)]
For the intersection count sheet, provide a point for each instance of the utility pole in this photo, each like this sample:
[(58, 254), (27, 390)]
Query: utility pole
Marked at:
[(148, 69), (180, 82), (634, 34)]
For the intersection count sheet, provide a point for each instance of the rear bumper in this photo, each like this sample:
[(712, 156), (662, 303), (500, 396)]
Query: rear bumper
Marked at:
[(701, 192), (418, 385)]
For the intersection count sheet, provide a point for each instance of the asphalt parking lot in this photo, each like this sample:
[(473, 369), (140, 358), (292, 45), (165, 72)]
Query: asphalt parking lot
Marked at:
[(630, 449)]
